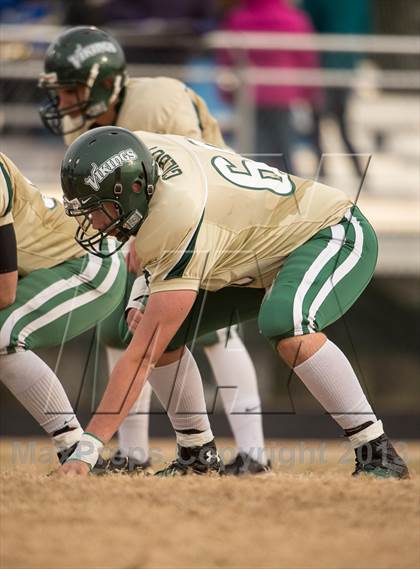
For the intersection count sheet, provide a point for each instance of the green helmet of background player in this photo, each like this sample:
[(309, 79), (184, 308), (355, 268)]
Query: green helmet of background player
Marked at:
[(108, 170), (82, 56)]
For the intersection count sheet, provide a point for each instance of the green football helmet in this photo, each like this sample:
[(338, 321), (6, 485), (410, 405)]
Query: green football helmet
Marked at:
[(110, 171), (88, 57)]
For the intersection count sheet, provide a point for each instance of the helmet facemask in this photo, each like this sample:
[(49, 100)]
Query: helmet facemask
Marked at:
[(91, 239), (60, 121), (122, 225), (93, 98)]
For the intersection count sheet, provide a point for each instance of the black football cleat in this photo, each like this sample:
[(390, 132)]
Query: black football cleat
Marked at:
[(244, 464), (120, 464), (380, 459), (194, 460)]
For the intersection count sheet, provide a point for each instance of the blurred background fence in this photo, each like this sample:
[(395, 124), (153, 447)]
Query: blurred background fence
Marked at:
[(343, 96)]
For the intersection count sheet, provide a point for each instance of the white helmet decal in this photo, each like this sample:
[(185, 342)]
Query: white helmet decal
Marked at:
[(99, 173), (81, 54)]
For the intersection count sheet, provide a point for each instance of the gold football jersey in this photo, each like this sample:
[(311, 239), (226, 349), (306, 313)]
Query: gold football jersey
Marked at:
[(44, 234), (166, 106), (218, 219)]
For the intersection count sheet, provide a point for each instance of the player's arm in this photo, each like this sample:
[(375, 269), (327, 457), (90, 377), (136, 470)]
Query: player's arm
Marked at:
[(8, 265), (164, 314)]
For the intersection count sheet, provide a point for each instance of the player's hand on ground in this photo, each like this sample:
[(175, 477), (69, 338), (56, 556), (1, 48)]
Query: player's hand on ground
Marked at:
[(134, 317), (131, 260), (73, 468)]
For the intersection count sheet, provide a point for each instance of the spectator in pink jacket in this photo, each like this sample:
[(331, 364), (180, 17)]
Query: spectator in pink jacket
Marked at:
[(274, 130)]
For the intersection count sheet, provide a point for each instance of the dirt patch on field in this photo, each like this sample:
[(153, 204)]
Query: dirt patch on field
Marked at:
[(309, 515)]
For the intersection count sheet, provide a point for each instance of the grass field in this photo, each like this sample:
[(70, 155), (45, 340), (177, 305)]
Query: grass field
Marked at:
[(310, 514)]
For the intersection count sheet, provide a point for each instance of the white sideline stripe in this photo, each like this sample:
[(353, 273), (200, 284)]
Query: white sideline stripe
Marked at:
[(336, 242), (92, 269), (339, 273), (73, 303)]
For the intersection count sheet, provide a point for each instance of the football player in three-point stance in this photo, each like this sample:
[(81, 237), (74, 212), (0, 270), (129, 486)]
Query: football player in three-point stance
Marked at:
[(85, 76), (219, 235), (58, 296), (62, 292)]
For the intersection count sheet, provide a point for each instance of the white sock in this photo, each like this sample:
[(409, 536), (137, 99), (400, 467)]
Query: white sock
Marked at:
[(236, 377), (39, 390), (330, 378), (133, 434), (179, 388)]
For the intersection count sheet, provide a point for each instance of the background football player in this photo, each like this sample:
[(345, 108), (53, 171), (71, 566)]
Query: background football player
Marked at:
[(86, 79), (207, 220), (58, 296)]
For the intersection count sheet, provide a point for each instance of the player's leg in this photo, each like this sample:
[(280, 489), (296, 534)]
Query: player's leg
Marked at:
[(51, 307), (40, 392), (236, 378), (317, 285), (178, 383)]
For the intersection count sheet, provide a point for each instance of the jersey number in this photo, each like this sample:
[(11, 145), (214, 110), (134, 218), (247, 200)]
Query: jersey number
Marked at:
[(254, 176)]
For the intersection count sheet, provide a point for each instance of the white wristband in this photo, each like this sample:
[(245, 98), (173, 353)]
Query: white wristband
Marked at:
[(87, 450), (139, 294), (67, 439)]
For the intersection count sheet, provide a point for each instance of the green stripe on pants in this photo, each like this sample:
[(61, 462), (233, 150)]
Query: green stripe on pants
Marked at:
[(57, 304), (320, 280)]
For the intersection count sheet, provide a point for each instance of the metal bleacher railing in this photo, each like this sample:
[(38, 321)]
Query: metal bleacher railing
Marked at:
[(22, 48), (20, 63)]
